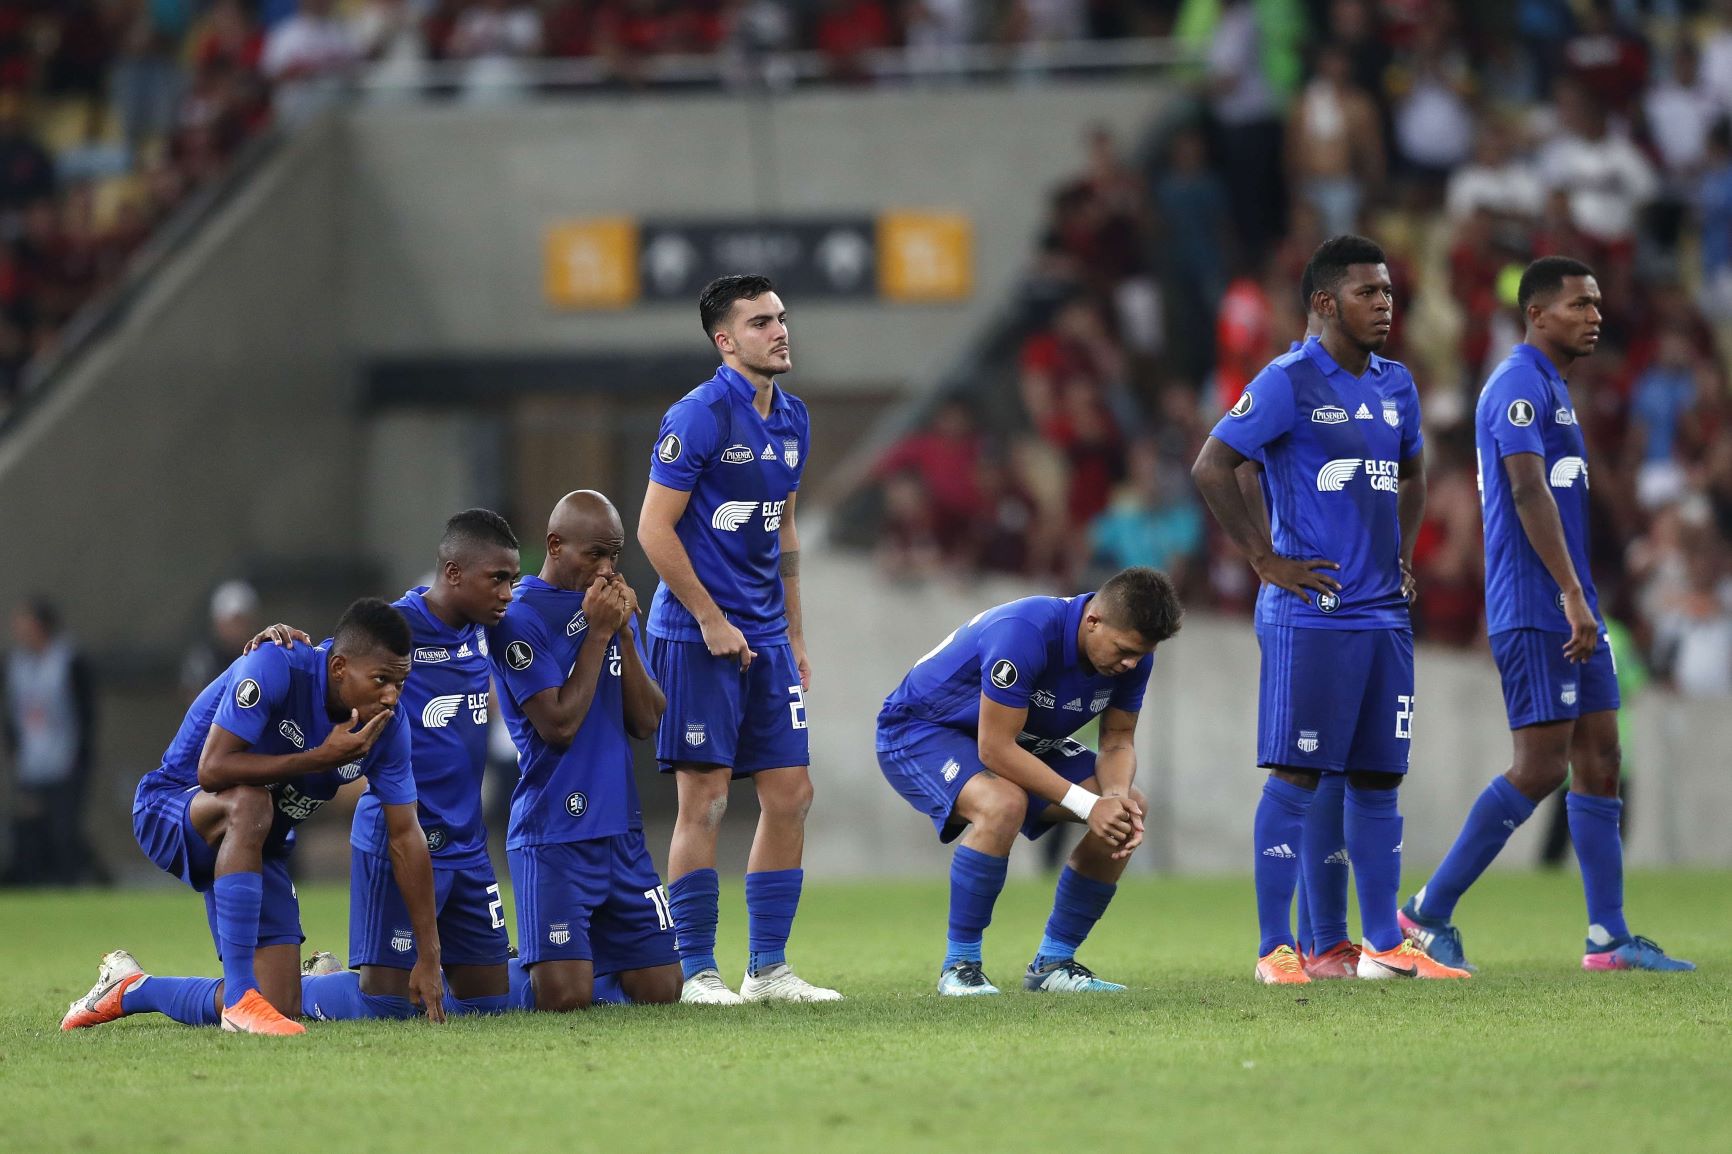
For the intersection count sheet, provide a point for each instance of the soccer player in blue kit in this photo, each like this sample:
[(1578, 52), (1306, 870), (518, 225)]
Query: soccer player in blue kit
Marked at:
[(263, 748), (1542, 614), (574, 691), (1337, 431), (726, 637), (978, 738)]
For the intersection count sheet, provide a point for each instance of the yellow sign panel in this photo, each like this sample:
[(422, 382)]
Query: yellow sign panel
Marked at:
[(925, 256), (592, 264)]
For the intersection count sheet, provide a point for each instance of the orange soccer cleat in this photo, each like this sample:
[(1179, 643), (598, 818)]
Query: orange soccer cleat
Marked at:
[(1281, 967), (118, 973), (253, 1015), (1407, 960), (1338, 961)]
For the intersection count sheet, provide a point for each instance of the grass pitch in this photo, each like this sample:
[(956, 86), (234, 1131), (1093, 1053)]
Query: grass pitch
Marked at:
[(1531, 1054)]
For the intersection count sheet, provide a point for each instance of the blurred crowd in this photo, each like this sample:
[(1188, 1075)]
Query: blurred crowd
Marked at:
[(1467, 139)]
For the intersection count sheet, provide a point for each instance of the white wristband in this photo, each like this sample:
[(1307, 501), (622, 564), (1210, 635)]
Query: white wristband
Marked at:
[(1080, 802)]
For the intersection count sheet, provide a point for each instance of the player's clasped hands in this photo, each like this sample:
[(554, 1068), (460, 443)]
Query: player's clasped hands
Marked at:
[(345, 743), (1297, 576), (606, 606), (1118, 821), (724, 639)]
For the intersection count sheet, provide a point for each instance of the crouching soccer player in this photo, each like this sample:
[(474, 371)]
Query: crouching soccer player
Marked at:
[(263, 748), (574, 692), (977, 737)]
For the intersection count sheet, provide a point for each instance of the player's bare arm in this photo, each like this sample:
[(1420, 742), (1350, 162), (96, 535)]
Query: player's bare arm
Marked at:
[(1116, 767), (558, 713), (1113, 819), (227, 760), (643, 699), (1410, 512), (1216, 475), (662, 509), (1531, 493), (790, 568), (412, 866), (1251, 489)]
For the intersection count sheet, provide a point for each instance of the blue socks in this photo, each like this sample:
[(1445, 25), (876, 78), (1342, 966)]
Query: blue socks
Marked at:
[(772, 896), (1373, 828), (191, 1001), (1323, 863), (522, 993), (692, 900), (1277, 834), (1600, 853), (1077, 905), (237, 898), (976, 880), (338, 998), (456, 1007), (1496, 813)]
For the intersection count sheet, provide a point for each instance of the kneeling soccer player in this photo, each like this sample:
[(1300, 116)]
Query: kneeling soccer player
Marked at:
[(978, 738)]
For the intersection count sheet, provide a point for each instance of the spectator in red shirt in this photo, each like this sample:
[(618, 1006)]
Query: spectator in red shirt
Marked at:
[(847, 30), (945, 457)]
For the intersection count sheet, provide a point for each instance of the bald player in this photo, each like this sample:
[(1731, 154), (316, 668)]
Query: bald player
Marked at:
[(575, 692)]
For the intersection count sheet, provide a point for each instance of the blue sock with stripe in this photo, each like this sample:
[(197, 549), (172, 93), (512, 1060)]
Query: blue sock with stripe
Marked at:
[(693, 902), (1496, 813), (1373, 828), (238, 899), (772, 898), (1077, 905), (522, 995), (976, 880), (1278, 830), (188, 1000), (338, 998), (1600, 853), (1323, 867)]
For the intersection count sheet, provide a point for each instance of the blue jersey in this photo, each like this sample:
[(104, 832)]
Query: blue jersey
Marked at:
[(585, 790), (1023, 655), (1525, 408), (1331, 448), (739, 469), (444, 705), (274, 700)]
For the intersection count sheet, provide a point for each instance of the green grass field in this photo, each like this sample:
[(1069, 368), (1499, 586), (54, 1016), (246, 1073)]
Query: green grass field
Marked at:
[(1531, 1054)]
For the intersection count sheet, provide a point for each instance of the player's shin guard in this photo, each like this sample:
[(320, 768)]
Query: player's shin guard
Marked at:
[(1323, 865), (238, 898), (772, 897), (1496, 813), (1277, 830), (338, 998), (190, 1001), (1373, 828), (693, 901), (1600, 852), (1077, 905), (976, 880)]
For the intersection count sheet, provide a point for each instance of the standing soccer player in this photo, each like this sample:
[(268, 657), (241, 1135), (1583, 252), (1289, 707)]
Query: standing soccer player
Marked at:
[(1337, 431), (266, 745), (978, 738), (1560, 687), (574, 693), (728, 646)]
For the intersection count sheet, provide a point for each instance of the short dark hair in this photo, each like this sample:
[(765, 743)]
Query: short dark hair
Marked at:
[(1546, 276), (371, 624), (1328, 266), (472, 529), (1307, 286), (1144, 600), (720, 294)]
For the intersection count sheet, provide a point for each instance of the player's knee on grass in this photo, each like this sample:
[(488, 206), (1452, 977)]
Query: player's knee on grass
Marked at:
[(562, 987), (659, 986)]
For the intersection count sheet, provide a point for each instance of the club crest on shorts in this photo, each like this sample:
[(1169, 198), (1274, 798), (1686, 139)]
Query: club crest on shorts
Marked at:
[(951, 769), (1567, 693), (1308, 742), (1004, 674), (576, 803), (559, 933), (519, 656), (695, 733), (402, 940), (247, 694), (669, 450)]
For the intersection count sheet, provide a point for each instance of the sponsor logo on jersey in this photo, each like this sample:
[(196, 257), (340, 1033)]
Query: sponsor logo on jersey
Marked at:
[(577, 624), (432, 655), (730, 515), (791, 454), (1565, 416), (1242, 405), (1333, 477), (1520, 413), (1074, 705), (1328, 602), (769, 453), (1308, 742), (1567, 693), (695, 733), (1391, 414), (559, 933), (1100, 700), (247, 694), (1383, 476), (1566, 470), (1330, 415), (435, 839), (463, 651), (738, 455), (440, 710), (951, 769), (293, 804), (293, 732), (1043, 699), (576, 804), (1004, 674), (519, 655), (349, 772), (1363, 412), (669, 450), (402, 940)]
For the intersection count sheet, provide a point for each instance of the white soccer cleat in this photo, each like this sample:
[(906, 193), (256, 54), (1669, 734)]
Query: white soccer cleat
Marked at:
[(780, 983), (117, 971), (322, 962), (706, 988)]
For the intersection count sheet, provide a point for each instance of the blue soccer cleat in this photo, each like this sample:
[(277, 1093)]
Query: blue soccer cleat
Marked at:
[(1436, 936), (964, 979), (1066, 977), (1633, 953)]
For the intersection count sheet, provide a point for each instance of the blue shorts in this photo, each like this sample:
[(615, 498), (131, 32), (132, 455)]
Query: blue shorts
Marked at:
[(1541, 685), (1333, 700), (471, 915), (599, 901), (718, 714), (929, 764)]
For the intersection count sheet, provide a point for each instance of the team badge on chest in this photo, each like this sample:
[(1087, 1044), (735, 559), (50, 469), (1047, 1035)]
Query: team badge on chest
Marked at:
[(1391, 414), (791, 454)]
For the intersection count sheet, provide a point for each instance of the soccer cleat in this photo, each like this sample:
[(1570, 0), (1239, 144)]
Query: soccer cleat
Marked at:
[(964, 979), (1280, 967), (1408, 960), (322, 962), (1066, 977), (1339, 961), (706, 988), (117, 973), (254, 1015), (1633, 953), (780, 983), (1436, 936)]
